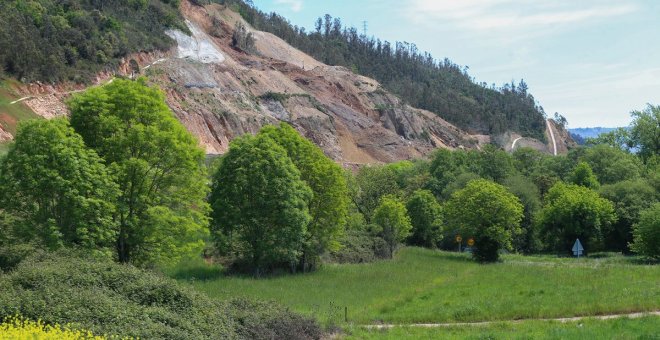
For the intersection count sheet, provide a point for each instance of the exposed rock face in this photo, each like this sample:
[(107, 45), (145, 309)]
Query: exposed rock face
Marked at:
[(349, 116), (220, 93), (4, 135)]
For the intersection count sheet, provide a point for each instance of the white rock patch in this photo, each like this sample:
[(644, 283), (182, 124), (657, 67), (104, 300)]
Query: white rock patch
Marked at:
[(197, 47)]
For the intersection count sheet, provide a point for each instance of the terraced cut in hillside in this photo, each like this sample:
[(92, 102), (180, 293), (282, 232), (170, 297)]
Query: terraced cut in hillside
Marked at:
[(426, 286)]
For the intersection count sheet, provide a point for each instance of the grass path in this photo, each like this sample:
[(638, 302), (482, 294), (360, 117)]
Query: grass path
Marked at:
[(487, 323)]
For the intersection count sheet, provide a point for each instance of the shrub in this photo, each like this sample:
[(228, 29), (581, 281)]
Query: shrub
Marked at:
[(109, 298), (646, 233)]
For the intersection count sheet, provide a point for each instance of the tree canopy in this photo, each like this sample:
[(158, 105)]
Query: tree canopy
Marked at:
[(260, 204), (328, 206), (488, 212), (58, 191), (393, 221), (426, 218), (157, 163), (647, 233), (571, 212), (52, 40)]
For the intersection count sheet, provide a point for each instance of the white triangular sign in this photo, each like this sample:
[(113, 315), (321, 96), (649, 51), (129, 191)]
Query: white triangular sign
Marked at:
[(577, 247)]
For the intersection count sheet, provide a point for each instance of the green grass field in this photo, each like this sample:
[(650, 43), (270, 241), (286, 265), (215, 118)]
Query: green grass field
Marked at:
[(4, 147), (11, 114), (623, 328), (422, 285)]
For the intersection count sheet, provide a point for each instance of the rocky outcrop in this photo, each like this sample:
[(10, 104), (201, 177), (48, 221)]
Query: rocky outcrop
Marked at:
[(219, 93), (349, 116)]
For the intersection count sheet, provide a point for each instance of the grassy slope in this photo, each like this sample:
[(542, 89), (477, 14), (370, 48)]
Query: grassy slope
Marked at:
[(4, 147), (10, 115), (643, 328), (431, 286)]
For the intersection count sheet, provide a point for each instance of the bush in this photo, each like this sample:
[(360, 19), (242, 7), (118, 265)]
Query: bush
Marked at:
[(108, 298), (646, 233), (360, 246)]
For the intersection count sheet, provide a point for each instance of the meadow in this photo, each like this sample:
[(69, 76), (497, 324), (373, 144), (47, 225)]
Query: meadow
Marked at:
[(424, 286)]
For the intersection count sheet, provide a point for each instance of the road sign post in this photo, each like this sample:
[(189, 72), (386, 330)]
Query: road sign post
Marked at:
[(577, 248), (459, 239)]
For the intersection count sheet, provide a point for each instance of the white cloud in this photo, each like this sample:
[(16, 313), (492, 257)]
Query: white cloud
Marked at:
[(295, 5), (496, 16)]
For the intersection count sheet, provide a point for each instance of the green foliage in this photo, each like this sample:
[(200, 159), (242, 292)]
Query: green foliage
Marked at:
[(645, 131), (162, 212), (56, 189), (494, 164), (629, 198), (647, 233), (328, 206), (528, 241), (426, 218), (242, 39), (611, 165), (52, 40), (571, 212), (583, 176), (487, 212), (260, 204), (393, 221), (109, 298), (618, 138), (371, 184)]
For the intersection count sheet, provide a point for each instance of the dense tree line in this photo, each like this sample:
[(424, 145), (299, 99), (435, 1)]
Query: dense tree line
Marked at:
[(123, 179), (422, 81), (51, 40)]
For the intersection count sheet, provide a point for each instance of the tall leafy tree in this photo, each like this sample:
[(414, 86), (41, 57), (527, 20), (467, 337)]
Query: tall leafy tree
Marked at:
[(488, 212), (582, 175), (393, 222), (158, 165), (629, 199), (647, 233), (645, 131), (571, 212), (260, 204), (611, 165), (528, 194), (329, 204), (426, 218), (58, 191), (371, 184)]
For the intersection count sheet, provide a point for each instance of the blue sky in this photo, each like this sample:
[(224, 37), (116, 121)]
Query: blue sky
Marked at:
[(591, 60)]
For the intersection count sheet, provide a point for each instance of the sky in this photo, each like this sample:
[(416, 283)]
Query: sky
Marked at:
[(593, 61)]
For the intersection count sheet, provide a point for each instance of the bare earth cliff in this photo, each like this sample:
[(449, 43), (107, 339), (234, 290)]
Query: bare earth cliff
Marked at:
[(219, 92)]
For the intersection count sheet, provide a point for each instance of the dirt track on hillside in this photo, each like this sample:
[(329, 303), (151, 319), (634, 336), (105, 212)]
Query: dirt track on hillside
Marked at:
[(486, 323)]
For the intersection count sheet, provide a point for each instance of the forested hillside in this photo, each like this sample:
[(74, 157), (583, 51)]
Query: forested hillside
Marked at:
[(52, 40), (49, 40), (417, 77)]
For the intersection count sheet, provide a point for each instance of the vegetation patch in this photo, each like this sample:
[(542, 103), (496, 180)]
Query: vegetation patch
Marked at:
[(11, 114), (422, 285), (109, 298)]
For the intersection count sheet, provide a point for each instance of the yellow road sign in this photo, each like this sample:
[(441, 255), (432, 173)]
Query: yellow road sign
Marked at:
[(470, 242), (459, 238)]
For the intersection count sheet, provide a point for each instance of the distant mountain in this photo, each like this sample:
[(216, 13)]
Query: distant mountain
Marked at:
[(580, 134)]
